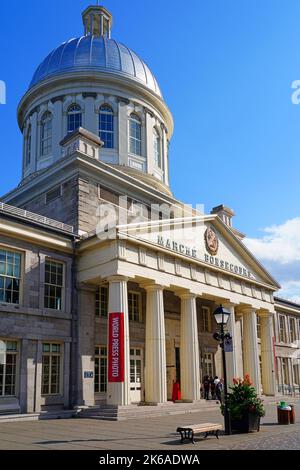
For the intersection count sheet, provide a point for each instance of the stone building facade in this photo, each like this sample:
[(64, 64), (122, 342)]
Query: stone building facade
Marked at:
[(108, 283)]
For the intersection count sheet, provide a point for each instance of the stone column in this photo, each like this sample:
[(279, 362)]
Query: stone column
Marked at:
[(34, 142), (231, 357), (155, 364), (57, 129), (91, 114), (250, 347), (267, 354), (123, 131), (118, 393), (189, 349), (238, 346)]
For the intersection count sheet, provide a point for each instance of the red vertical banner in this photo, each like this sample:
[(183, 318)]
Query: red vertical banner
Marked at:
[(116, 347)]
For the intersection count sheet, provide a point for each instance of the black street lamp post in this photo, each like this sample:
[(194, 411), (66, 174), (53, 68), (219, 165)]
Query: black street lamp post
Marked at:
[(221, 316)]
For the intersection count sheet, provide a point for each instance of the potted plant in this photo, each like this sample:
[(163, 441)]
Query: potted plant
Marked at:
[(244, 405)]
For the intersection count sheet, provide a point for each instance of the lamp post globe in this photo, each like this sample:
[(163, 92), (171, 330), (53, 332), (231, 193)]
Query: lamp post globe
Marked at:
[(221, 317)]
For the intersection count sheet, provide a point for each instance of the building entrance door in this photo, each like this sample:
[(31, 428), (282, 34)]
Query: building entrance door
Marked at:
[(136, 375)]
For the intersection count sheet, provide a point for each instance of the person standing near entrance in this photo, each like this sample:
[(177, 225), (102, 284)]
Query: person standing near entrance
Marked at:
[(212, 388), (219, 388), (206, 386)]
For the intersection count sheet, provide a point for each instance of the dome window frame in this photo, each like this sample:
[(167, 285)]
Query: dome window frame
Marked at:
[(46, 134), (157, 148), (74, 118), (106, 126), (135, 135)]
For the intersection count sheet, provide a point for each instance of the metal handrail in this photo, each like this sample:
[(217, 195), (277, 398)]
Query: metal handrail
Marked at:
[(12, 210)]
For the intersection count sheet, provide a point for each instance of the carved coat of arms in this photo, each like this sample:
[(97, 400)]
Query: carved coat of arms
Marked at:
[(211, 241)]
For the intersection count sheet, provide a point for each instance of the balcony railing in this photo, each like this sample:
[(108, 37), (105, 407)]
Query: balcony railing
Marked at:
[(27, 215)]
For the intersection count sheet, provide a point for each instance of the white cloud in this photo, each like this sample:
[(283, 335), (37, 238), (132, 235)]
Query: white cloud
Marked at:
[(279, 251), (281, 243)]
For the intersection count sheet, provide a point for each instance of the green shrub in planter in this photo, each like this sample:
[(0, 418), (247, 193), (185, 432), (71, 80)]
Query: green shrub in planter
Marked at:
[(245, 407)]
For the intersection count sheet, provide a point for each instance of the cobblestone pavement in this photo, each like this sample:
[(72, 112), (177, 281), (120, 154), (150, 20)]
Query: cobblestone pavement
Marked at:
[(152, 434)]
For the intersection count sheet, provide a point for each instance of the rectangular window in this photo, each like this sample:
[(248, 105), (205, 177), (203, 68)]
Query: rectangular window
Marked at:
[(208, 368), (285, 371), (10, 276), (205, 324), (292, 326), (100, 369), (102, 301), (258, 327), (51, 368), (282, 332), (8, 369), (296, 374), (134, 306), (53, 285)]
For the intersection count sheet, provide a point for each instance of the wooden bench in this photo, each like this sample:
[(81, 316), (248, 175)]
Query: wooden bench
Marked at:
[(189, 431)]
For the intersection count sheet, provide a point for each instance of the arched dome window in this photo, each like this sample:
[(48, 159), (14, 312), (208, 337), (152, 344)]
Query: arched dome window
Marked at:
[(106, 126), (135, 135), (46, 134), (74, 118), (157, 148), (28, 147)]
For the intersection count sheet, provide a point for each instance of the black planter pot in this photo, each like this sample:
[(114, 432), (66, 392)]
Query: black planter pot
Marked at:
[(250, 422)]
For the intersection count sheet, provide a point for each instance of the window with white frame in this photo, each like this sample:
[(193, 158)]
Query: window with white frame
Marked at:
[(285, 370), (135, 135), (102, 301), (74, 118), (292, 327), (205, 321), (258, 327), (282, 330), (46, 134), (28, 147), (208, 365), (157, 148), (106, 126), (51, 369), (54, 282), (10, 276), (134, 306), (296, 372), (8, 369), (100, 369)]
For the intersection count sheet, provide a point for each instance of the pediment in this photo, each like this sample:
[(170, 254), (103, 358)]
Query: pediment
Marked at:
[(206, 240)]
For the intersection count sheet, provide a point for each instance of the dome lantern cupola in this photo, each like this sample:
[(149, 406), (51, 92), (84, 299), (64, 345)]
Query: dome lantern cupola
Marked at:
[(97, 21)]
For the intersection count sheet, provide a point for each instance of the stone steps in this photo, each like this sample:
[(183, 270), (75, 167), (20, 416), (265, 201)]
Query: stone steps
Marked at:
[(12, 418), (113, 413)]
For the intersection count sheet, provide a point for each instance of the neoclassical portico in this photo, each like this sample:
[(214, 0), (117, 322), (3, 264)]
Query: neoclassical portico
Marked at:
[(156, 270)]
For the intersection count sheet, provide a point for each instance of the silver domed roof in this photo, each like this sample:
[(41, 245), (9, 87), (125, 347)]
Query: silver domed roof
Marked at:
[(95, 54)]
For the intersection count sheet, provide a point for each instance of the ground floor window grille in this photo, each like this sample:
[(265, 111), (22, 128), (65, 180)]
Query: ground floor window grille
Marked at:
[(100, 369), (8, 369), (51, 369)]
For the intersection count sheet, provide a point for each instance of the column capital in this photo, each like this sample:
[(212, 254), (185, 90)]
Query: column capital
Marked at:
[(151, 286), (264, 313), (246, 309), (228, 304), (185, 294), (117, 278)]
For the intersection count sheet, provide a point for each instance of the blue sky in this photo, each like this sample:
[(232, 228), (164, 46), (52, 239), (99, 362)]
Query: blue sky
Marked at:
[(225, 68)]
